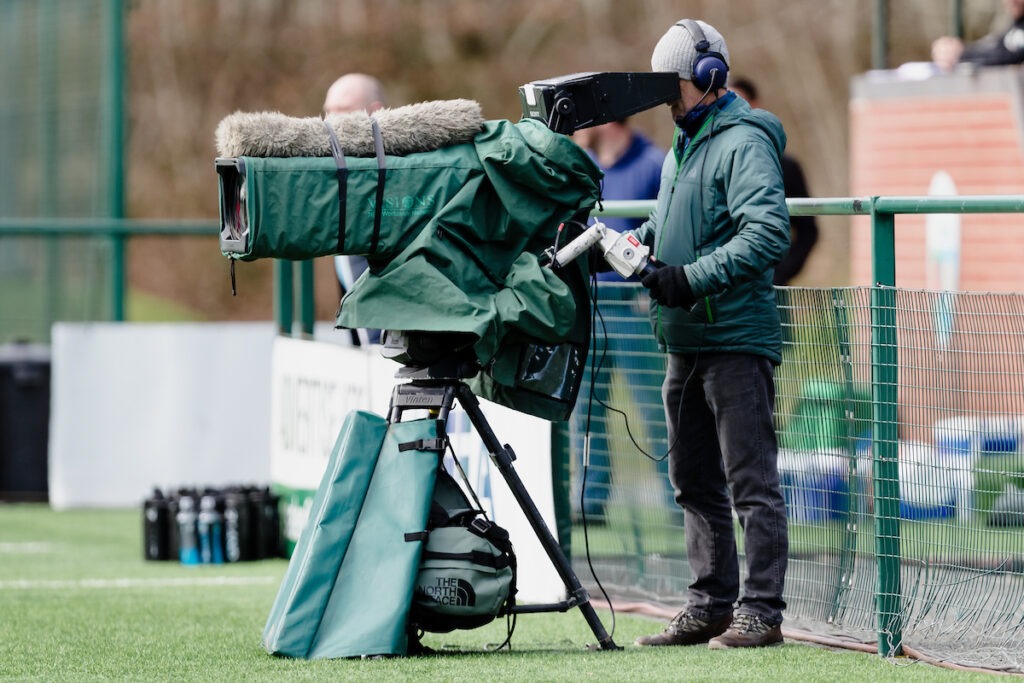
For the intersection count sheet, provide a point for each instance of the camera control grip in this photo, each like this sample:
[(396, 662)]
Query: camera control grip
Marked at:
[(651, 266)]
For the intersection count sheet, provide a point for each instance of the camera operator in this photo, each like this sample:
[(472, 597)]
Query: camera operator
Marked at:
[(720, 225)]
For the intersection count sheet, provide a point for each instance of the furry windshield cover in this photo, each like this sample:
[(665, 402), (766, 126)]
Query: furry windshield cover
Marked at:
[(421, 127)]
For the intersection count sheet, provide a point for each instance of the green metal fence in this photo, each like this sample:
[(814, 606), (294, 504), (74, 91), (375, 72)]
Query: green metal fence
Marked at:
[(938, 566), (866, 358), (61, 108), (62, 131), (71, 269)]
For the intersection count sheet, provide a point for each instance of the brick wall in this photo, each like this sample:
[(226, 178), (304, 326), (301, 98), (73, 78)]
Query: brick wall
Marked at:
[(905, 134)]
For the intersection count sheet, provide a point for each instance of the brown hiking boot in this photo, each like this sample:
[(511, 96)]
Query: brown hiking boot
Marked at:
[(687, 629), (748, 630)]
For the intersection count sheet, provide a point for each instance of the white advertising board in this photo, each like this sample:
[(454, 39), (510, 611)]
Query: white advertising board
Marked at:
[(138, 405)]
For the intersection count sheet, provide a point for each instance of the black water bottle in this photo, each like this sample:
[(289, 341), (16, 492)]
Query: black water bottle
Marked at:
[(210, 530), (188, 532), (267, 536), (238, 546), (273, 526), (156, 526)]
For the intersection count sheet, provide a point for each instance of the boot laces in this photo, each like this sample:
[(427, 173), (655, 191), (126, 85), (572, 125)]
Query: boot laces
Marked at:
[(749, 623), (686, 622)]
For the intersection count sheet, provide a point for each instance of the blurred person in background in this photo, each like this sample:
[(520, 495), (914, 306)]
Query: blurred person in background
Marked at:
[(354, 92), (632, 170), (997, 48), (803, 230)]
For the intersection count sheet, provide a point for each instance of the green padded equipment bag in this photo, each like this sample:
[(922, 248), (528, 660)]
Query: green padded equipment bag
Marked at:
[(348, 586)]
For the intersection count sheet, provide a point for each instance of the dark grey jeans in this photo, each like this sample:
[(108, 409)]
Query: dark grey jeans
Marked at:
[(724, 454)]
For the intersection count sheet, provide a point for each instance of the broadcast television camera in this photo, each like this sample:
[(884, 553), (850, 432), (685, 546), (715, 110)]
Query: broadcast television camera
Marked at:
[(564, 104), (458, 231), (454, 215)]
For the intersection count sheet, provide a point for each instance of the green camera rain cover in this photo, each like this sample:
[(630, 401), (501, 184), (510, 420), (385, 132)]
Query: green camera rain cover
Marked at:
[(454, 239)]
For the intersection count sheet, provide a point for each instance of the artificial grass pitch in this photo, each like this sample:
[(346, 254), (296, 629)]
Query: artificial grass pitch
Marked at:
[(78, 603)]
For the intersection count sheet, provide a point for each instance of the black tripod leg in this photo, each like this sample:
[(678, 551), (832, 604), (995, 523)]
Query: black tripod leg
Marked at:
[(502, 457)]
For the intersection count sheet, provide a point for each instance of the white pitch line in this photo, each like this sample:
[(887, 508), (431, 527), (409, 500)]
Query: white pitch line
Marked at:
[(27, 548), (30, 584)]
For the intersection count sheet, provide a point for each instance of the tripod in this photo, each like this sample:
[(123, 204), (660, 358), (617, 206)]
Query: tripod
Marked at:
[(436, 388)]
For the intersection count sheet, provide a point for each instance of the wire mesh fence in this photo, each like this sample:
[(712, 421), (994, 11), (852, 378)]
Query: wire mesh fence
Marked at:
[(959, 531), (46, 278), (54, 138), (56, 151)]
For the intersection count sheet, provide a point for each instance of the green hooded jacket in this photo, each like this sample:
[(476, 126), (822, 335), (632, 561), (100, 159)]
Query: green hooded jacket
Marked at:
[(721, 214)]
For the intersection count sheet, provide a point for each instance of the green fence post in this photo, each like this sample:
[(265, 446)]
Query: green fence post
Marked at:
[(284, 292), (885, 466), (956, 18), (880, 41), (117, 278), (115, 167), (307, 298), (49, 204)]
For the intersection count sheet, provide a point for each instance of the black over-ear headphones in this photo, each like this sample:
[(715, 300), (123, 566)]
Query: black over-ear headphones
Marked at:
[(709, 72)]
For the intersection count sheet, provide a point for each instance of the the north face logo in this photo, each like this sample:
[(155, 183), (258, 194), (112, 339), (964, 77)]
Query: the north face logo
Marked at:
[(453, 592)]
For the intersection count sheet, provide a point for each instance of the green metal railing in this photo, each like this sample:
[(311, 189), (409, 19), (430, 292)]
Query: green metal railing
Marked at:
[(882, 212), (119, 231), (116, 230)]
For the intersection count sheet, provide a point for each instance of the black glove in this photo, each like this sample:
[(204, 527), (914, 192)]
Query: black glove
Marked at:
[(597, 261), (669, 287)]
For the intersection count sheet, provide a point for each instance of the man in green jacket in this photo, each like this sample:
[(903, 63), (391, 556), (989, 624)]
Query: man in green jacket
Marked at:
[(720, 225)]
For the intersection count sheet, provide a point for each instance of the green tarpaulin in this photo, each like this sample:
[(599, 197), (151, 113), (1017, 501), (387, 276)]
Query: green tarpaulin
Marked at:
[(453, 238)]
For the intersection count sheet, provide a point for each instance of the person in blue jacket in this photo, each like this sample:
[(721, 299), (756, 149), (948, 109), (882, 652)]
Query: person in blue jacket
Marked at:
[(720, 225), (632, 170)]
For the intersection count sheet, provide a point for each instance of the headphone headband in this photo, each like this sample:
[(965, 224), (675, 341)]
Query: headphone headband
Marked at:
[(709, 69), (700, 41)]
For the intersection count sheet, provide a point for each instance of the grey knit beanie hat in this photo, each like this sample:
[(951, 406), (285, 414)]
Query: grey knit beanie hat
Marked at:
[(676, 52)]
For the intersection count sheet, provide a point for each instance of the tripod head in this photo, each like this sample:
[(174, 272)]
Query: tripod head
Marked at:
[(431, 355)]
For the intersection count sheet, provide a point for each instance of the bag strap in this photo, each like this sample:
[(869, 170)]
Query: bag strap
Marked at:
[(477, 557), (437, 444), (342, 171), (486, 529), (378, 209)]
